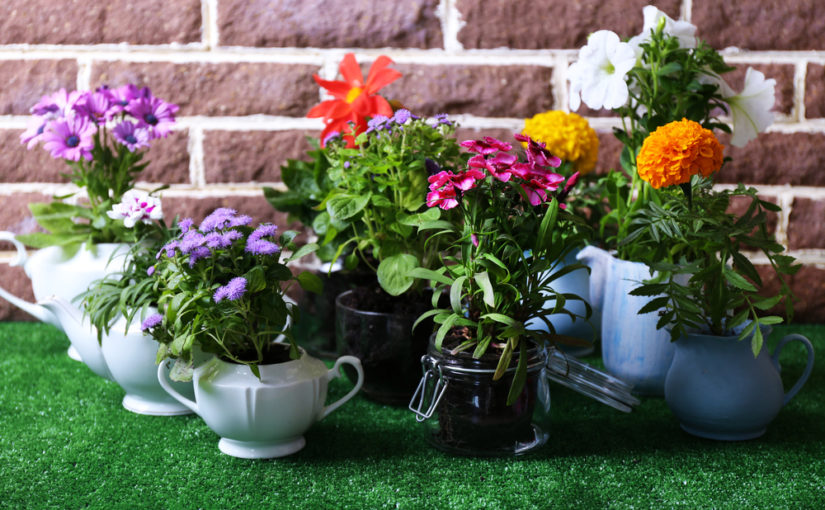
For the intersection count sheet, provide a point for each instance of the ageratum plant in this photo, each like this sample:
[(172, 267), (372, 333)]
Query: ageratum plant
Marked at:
[(503, 252), (221, 287), (376, 207), (102, 136)]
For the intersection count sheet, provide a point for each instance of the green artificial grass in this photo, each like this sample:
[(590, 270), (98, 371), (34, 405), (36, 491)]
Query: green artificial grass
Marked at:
[(65, 442)]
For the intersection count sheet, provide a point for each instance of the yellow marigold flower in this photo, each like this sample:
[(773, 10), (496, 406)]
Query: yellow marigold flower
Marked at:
[(567, 136), (677, 151)]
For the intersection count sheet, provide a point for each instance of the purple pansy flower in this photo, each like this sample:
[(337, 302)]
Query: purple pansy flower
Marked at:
[(155, 114), (133, 137), (232, 291), (70, 138), (151, 321)]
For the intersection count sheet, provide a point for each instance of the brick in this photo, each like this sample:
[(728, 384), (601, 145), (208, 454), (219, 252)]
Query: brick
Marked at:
[(26, 81), (815, 91), (786, 25), (782, 73), (219, 89), (610, 152), (19, 164), (549, 23), (806, 224), (113, 21), (808, 286), (15, 215), (168, 160), (198, 208), (739, 205), (251, 156), (776, 158), (486, 91), (329, 23), (14, 280)]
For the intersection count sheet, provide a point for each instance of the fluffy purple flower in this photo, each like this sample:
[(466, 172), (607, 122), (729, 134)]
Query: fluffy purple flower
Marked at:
[(238, 221), (150, 271), (155, 114), (377, 123), (232, 291), (191, 240), (130, 135), (169, 248), (218, 219), (441, 118), (197, 253), (262, 247), (402, 116), (185, 224), (151, 321), (70, 138), (331, 136), (222, 240), (265, 230)]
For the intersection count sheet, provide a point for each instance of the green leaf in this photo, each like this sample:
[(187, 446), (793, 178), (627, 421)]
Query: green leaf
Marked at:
[(310, 282), (456, 293), (394, 273), (429, 274), (483, 281), (500, 318), (417, 220), (737, 280), (303, 251), (768, 303), (346, 206), (255, 279), (519, 378)]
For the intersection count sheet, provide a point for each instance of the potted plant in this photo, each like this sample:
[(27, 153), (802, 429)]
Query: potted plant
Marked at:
[(504, 255), (103, 137), (378, 164), (222, 290), (722, 383), (662, 75), (569, 137)]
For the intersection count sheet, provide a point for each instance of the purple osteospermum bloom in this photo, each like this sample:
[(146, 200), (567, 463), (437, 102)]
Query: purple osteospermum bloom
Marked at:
[(34, 132), (151, 321), (57, 105), (133, 137), (70, 138), (157, 115), (185, 224), (95, 105), (218, 219), (232, 291), (122, 96)]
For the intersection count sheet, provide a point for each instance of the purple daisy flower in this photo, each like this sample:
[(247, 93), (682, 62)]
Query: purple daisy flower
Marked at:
[(155, 114), (57, 105), (185, 224), (95, 105), (70, 138), (218, 219), (34, 132), (133, 137), (232, 291), (151, 321)]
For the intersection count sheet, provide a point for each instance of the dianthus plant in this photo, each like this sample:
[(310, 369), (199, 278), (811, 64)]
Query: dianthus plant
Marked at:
[(376, 204), (102, 136), (503, 251), (662, 75), (221, 287)]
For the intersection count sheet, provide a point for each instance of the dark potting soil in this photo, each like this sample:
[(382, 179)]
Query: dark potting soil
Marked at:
[(276, 353), (374, 299)]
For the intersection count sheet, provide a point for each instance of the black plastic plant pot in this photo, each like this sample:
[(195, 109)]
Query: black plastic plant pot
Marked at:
[(389, 350), (468, 411), (314, 329)]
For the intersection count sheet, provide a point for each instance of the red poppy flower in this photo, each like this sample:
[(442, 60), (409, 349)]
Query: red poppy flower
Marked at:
[(355, 99)]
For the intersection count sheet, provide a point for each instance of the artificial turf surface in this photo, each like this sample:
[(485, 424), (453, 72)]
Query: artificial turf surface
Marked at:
[(65, 442)]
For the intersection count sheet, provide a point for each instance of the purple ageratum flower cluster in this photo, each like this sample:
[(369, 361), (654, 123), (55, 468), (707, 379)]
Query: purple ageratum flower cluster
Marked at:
[(380, 123), (151, 321), (232, 291), (257, 245), (223, 217), (66, 122), (441, 119)]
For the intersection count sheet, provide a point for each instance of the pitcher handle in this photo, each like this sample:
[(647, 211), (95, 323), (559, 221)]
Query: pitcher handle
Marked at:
[(334, 373), (164, 382), (22, 255), (35, 310), (808, 368)]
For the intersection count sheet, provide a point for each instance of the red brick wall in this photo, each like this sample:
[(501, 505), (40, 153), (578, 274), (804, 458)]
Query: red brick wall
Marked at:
[(240, 71)]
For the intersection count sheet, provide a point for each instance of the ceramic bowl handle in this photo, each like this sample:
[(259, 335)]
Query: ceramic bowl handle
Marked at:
[(335, 372), (35, 310), (164, 382), (808, 368)]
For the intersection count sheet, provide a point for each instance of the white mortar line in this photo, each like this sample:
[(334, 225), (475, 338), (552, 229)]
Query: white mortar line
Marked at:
[(686, 11), (451, 24), (248, 123), (785, 201), (799, 75), (209, 11), (197, 173), (559, 82), (84, 73)]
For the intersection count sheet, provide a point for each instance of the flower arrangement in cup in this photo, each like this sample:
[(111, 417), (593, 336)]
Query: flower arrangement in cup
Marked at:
[(657, 77), (221, 287), (693, 234), (102, 135), (503, 251)]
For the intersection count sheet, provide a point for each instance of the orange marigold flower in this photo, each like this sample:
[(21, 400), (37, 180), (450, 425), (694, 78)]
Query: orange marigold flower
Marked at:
[(354, 99), (677, 151)]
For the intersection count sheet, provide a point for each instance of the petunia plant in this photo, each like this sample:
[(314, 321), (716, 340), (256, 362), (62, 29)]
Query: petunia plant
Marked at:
[(659, 76), (705, 282), (221, 288), (102, 135), (503, 252)]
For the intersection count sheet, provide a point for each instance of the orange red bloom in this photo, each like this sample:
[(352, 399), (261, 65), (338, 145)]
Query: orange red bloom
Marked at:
[(354, 99), (677, 151)]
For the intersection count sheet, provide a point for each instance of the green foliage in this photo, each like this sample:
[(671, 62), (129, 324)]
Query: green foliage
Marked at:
[(705, 282)]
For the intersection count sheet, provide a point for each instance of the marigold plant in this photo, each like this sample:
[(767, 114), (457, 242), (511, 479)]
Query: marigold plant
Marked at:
[(567, 135), (677, 151)]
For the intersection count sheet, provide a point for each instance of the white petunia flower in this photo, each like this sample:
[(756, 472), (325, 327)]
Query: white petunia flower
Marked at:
[(682, 30), (599, 74), (136, 206), (751, 108)]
